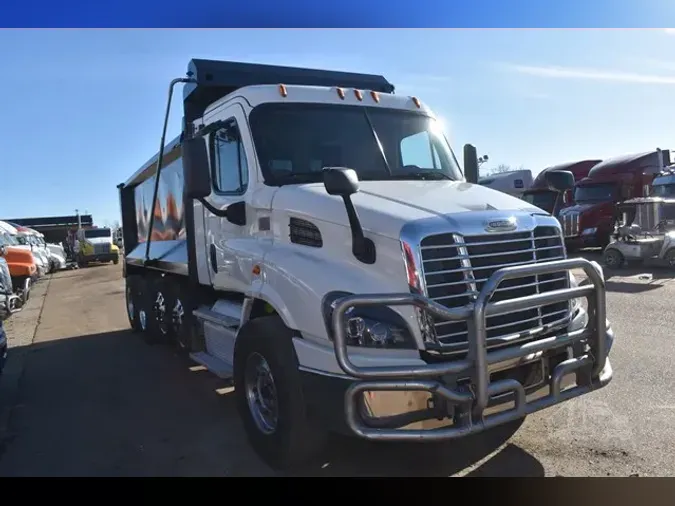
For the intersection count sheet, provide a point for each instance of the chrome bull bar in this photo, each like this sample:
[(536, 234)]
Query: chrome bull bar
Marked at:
[(427, 377)]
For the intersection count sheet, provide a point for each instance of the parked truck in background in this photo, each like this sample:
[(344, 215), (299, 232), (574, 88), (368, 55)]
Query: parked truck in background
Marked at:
[(539, 194), (311, 235), (664, 183), (513, 183), (590, 221), (96, 245)]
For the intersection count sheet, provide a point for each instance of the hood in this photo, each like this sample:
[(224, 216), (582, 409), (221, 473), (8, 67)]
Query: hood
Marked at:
[(19, 255), (581, 208), (99, 240), (385, 206)]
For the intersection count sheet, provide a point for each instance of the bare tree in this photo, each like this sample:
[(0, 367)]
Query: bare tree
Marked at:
[(502, 167)]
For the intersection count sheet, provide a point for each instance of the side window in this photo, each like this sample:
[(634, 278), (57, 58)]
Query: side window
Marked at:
[(417, 150), (230, 168)]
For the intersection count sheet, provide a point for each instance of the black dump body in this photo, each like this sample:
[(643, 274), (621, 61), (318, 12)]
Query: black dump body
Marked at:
[(172, 244)]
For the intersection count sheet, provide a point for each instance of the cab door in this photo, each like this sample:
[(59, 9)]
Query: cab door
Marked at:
[(229, 247)]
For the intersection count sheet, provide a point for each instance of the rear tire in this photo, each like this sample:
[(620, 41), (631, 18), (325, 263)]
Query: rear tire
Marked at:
[(670, 258), (269, 395), (155, 306), (132, 297)]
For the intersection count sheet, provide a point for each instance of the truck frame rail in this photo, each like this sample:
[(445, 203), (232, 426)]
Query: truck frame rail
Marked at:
[(475, 398)]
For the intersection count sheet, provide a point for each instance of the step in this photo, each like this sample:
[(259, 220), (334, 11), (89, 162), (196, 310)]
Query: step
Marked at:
[(215, 365)]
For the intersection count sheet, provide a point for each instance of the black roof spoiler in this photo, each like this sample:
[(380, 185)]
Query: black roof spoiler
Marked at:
[(214, 79)]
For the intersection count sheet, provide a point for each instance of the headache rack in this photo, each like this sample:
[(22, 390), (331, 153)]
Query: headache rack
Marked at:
[(428, 378)]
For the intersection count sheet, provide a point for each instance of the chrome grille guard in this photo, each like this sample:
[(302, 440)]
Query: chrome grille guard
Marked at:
[(427, 377)]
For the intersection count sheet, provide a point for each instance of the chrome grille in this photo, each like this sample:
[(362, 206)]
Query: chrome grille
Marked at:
[(101, 249), (570, 224), (456, 267)]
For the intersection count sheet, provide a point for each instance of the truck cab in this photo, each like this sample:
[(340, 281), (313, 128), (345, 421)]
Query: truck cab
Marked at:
[(311, 236), (20, 263), (540, 195), (514, 183), (96, 245), (590, 221), (664, 184), (24, 241)]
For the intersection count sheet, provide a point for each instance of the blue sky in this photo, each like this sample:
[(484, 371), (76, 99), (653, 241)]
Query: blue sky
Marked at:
[(82, 110)]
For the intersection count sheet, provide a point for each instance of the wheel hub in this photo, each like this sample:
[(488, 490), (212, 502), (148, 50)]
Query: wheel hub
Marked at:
[(261, 393), (160, 312)]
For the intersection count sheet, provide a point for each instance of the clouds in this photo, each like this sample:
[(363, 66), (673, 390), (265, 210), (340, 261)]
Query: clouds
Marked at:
[(589, 74)]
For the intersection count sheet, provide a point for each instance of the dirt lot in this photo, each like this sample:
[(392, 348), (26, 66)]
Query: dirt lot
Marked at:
[(83, 396)]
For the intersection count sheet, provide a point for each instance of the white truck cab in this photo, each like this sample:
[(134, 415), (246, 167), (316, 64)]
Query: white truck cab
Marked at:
[(311, 235)]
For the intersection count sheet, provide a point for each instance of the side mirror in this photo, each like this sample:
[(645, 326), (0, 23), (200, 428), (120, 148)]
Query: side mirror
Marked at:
[(3, 250), (340, 181), (559, 180), (196, 167), (470, 164)]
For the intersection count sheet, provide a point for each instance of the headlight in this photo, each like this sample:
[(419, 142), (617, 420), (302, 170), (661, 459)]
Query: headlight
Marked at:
[(589, 231), (575, 304), (369, 326)]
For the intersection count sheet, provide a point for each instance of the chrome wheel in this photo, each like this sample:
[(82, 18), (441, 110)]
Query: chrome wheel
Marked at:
[(143, 319), (261, 393), (177, 314), (130, 304), (160, 312)]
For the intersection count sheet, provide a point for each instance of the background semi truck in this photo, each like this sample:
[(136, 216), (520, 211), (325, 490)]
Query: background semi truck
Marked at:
[(96, 245), (590, 221), (539, 194), (311, 235)]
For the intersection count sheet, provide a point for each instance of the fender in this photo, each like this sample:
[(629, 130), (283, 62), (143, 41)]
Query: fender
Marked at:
[(299, 301)]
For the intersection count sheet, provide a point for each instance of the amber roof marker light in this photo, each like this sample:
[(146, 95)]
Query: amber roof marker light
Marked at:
[(358, 95), (341, 93), (417, 102), (376, 96), (283, 91)]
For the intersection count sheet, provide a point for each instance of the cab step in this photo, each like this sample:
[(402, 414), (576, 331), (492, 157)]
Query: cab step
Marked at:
[(213, 364)]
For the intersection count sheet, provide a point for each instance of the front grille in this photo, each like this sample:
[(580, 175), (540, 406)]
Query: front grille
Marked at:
[(101, 249), (570, 224), (456, 267)]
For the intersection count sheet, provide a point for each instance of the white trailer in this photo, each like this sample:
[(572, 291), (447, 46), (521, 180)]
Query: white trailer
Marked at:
[(513, 183), (311, 236)]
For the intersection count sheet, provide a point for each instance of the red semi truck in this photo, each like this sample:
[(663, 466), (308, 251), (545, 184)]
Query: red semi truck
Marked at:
[(589, 221), (540, 195)]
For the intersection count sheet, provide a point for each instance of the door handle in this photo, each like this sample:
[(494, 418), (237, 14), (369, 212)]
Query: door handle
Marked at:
[(212, 257)]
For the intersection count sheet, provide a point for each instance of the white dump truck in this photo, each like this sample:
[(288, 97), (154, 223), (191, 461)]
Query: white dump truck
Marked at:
[(311, 236)]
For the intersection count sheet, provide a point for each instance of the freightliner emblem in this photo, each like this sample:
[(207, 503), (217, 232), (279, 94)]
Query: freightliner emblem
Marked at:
[(504, 225)]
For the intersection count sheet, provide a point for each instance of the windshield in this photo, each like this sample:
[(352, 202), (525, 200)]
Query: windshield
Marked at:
[(22, 239), (594, 193), (544, 199), (97, 232), (664, 190), (294, 142)]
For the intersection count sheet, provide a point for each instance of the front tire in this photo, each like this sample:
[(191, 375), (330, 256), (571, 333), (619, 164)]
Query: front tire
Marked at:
[(613, 258), (269, 395)]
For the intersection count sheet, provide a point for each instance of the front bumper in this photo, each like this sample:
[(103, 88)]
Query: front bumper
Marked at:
[(441, 407), (105, 257)]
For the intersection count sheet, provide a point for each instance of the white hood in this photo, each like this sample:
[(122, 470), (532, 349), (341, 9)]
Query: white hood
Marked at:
[(99, 240), (385, 206)]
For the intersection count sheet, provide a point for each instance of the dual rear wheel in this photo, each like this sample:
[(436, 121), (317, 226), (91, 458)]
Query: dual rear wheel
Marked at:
[(158, 308)]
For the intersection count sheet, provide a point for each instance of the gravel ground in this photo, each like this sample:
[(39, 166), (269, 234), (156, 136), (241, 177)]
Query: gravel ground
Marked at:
[(84, 396)]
